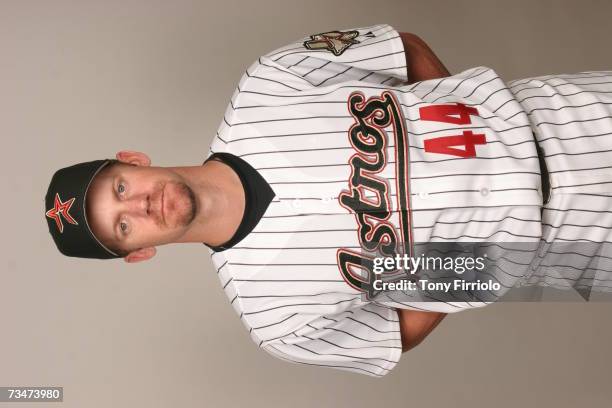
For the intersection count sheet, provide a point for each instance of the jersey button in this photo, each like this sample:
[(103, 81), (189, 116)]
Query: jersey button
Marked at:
[(423, 195), (484, 191)]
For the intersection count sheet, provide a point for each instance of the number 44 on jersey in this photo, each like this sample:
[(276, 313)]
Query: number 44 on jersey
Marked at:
[(457, 114)]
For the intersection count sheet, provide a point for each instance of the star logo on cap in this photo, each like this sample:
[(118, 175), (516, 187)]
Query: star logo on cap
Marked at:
[(61, 209), (335, 41)]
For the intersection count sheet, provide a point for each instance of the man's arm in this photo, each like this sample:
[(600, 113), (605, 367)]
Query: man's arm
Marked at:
[(415, 325), (422, 63)]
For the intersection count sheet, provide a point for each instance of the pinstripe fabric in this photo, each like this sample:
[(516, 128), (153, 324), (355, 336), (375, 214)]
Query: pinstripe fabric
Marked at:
[(571, 116), (289, 118), (282, 279)]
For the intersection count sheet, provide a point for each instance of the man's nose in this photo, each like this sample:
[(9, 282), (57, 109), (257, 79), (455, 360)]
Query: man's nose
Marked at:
[(138, 205)]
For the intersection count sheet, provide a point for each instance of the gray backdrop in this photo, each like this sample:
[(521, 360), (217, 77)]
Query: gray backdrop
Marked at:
[(80, 80)]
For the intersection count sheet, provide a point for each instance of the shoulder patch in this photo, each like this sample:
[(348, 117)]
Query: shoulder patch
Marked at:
[(334, 41)]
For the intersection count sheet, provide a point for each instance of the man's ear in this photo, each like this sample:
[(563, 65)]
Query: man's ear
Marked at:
[(132, 157), (141, 254)]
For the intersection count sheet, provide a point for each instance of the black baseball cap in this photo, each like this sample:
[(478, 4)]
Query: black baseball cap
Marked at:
[(66, 213)]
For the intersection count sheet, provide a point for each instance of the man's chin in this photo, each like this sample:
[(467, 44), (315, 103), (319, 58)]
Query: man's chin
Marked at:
[(183, 207)]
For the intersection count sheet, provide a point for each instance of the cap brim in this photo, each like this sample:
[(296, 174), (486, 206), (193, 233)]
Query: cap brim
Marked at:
[(85, 209)]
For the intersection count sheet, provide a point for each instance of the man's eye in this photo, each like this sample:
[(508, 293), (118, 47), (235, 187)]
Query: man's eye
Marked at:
[(120, 188), (123, 226)]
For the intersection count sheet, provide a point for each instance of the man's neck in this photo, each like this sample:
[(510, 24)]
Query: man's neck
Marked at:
[(220, 198)]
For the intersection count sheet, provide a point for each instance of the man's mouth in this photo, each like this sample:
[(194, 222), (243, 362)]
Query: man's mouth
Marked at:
[(161, 207)]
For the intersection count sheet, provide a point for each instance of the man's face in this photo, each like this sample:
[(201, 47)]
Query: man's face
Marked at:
[(131, 207)]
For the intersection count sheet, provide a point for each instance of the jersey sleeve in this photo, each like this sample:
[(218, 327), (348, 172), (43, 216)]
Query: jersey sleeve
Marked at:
[(372, 54), (428, 305), (365, 340)]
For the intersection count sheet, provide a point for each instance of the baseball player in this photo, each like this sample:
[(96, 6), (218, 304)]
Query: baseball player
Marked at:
[(360, 139)]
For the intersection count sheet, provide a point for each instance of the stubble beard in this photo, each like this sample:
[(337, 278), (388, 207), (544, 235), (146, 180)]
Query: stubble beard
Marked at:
[(182, 196), (191, 214)]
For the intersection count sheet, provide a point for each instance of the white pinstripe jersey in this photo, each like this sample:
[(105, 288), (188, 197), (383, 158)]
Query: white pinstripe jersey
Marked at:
[(290, 119), (571, 116)]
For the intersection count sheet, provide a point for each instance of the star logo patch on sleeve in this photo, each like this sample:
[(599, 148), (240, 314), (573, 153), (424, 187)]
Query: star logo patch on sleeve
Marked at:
[(335, 41)]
